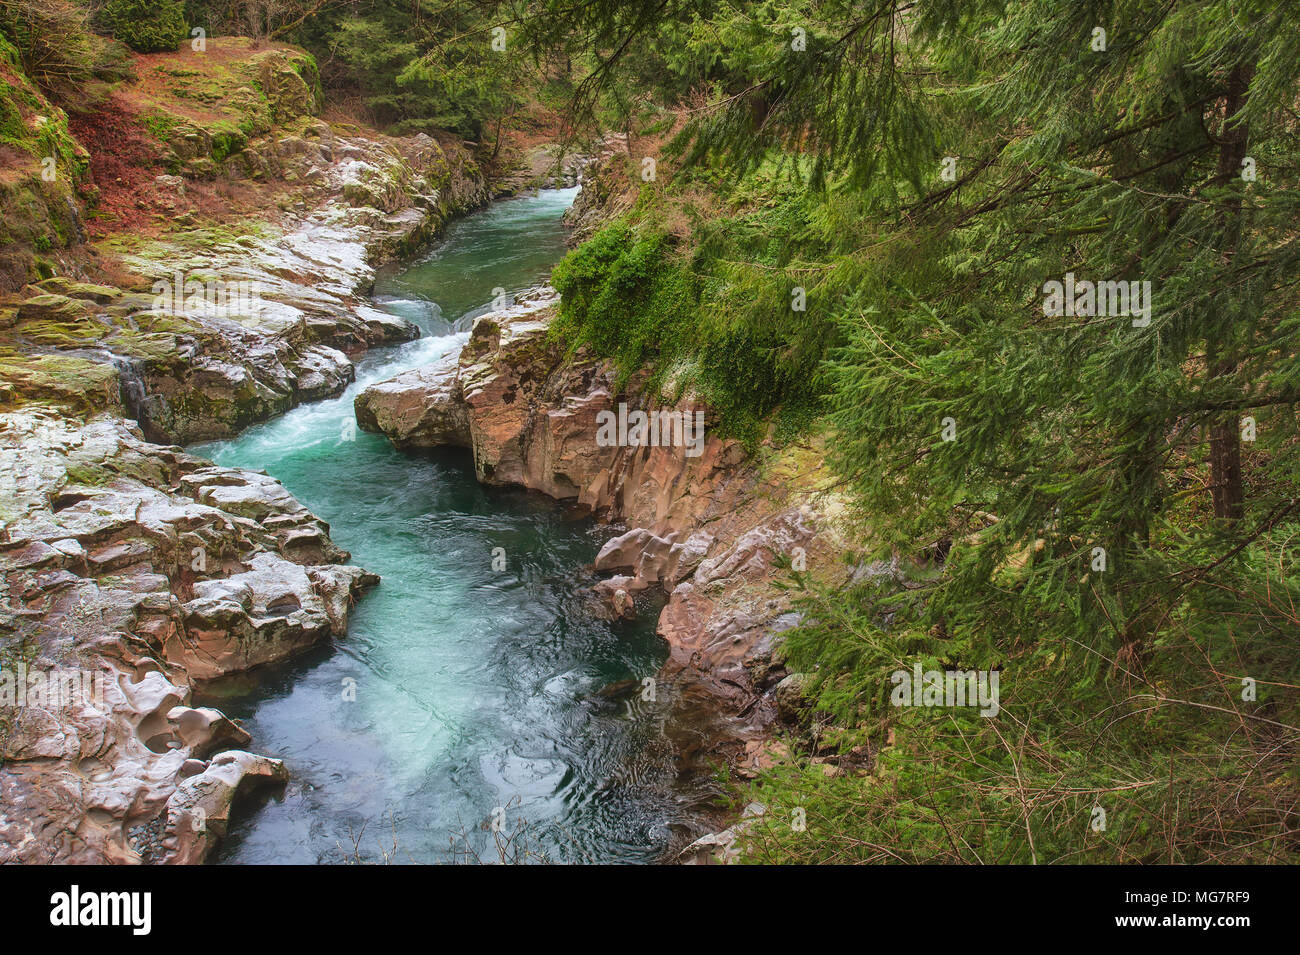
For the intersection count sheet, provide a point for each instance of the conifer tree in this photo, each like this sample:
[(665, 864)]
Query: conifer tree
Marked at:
[(994, 148), (1054, 244)]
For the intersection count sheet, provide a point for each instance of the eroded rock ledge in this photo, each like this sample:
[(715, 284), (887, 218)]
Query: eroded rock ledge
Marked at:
[(281, 311), (710, 529), (146, 569)]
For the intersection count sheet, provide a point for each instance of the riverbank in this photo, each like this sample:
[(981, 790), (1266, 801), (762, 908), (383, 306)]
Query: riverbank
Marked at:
[(712, 527), (476, 682)]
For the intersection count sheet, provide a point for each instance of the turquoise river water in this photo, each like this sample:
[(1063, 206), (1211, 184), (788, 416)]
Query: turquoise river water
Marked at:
[(478, 694)]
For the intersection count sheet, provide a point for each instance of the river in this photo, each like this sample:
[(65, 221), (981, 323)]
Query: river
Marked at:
[(461, 695)]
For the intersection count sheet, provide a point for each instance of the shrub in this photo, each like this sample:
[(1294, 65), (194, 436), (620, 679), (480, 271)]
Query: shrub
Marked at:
[(687, 305), (146, 26), (49, 41)]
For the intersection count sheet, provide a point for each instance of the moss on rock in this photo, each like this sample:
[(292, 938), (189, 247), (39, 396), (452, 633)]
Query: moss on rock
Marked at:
[(70, 382), (42, 166), (218, 109)]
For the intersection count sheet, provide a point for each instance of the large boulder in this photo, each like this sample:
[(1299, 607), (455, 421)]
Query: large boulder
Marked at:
[(419, 408)]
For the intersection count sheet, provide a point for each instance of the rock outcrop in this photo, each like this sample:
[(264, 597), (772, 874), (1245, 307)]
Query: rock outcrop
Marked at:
[(418, 408), (129, 571), (221, 323), (609, 180)]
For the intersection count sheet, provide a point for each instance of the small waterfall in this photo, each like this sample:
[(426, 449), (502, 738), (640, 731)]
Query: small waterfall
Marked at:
[(74, 213), (131, 389), (130, 383)]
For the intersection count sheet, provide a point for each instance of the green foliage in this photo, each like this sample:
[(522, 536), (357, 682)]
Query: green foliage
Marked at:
[(49, 41), (418, 67), (623, 295), (628, 59), (1073, 433), (37, 210), (159, 124), (146, 26), (712, 309), (227, 142), (1184, 769)]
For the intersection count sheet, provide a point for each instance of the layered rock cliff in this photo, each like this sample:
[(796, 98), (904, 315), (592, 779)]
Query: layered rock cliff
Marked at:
[(133, 570)]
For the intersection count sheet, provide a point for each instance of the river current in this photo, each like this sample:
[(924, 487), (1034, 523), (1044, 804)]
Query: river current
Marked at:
[(463, 696)]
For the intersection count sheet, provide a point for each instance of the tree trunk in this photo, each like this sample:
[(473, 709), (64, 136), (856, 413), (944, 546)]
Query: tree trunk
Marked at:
[(1225, 470), (1225, 434)]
